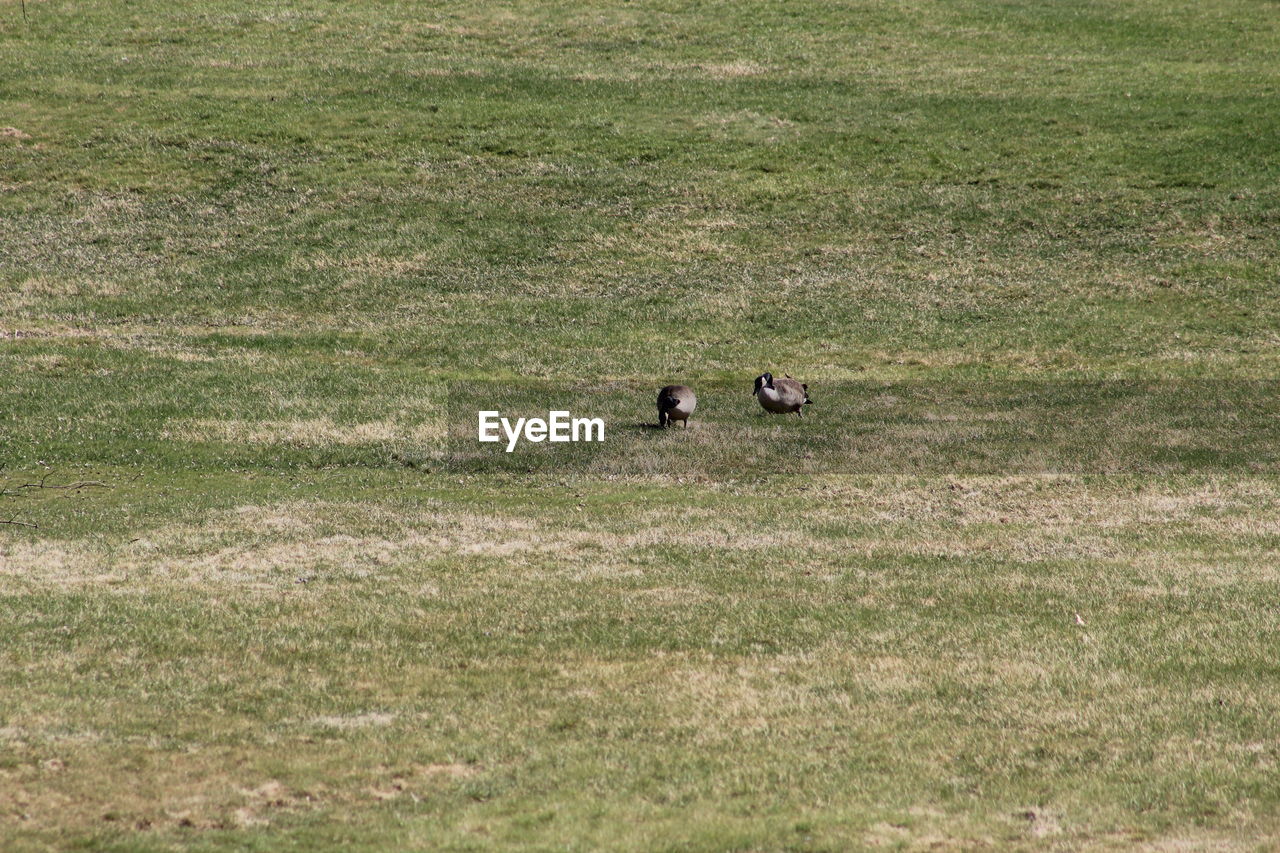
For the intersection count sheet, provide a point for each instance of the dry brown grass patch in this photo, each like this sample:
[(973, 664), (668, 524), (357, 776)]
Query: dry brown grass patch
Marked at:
[(356, 721), (369, 264), (309, 432), (732, 69), (1211, 532)]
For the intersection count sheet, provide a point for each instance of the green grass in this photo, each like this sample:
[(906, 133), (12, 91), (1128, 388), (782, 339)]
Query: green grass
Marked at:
[(1010, 584)]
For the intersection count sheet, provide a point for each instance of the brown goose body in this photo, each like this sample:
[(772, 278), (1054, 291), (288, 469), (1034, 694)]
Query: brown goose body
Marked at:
[(781, 396), (676, 403)]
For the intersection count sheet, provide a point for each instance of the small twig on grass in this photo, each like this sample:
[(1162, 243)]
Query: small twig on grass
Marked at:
[(6, 492), (79, 484)]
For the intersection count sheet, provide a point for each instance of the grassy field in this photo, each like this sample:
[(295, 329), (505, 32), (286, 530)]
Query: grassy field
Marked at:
[(1011, 584)]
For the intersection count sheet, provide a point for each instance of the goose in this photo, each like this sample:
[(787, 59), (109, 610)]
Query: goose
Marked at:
[(676, 403), (781, 396)]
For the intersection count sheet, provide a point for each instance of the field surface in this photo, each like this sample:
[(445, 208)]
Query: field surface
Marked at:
[(1010, 584)]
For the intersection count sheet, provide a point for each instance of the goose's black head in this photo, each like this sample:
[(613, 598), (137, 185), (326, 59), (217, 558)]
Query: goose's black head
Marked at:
[(764, 380)]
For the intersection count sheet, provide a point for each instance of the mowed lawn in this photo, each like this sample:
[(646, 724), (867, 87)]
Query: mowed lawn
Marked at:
[(1010, 584)]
